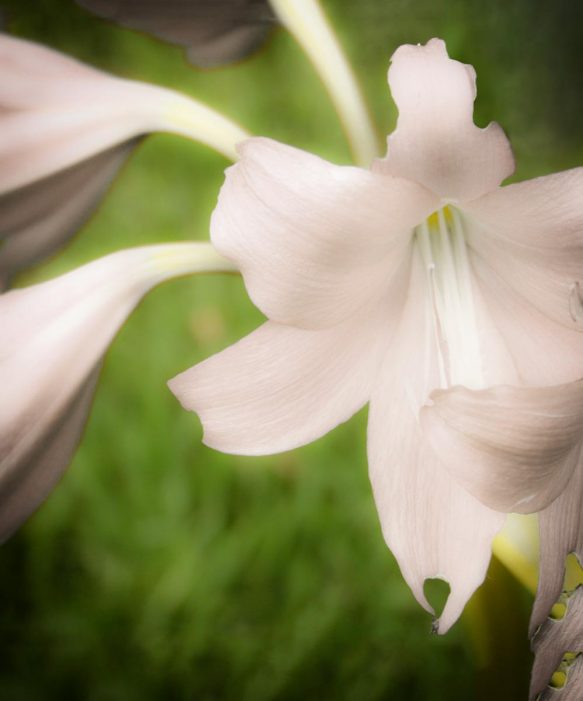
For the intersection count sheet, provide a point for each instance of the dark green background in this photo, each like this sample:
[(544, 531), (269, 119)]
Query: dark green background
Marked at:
[(160, 569)]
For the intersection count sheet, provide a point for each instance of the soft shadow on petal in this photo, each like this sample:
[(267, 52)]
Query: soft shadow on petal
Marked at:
[(28, 483), (281, 387), (561, 533), (314, 241), (53, 336), (215, 32), (544, 351), (38, 219), (436, 142), (433, 526), (552, 641), (531, 233), (513, 448)]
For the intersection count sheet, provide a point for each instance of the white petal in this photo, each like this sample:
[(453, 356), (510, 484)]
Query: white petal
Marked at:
[(531, 233), (315, 242), (553, 640), (561, 532), (432, 525), (513, 448), (52, 337), (436, 142), (544, 351), (281, 387)]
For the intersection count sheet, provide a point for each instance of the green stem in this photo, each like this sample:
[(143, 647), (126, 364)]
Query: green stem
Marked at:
[(305, 20)]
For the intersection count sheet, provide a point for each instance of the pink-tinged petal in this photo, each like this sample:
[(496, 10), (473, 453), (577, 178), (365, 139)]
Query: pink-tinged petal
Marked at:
[(40, 218), (513, 448), (433, 526), (561, 533), (531, 233), (52, 337), (215, 32), (436, 142), (281, 387), (555, 357), (555, 638), (573, 688), (315, 242)]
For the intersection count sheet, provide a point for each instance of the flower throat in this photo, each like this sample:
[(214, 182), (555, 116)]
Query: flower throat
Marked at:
[(442, 245)]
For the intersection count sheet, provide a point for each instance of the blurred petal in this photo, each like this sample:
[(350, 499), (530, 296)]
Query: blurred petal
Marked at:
[(53, 336), (436, 142), (39, 218), (315, 242), (531, 234), (214, 31), (22, 491), (433, 526), (561, 533), (513, 448), (553, 640), (65, 129), (281, 387)]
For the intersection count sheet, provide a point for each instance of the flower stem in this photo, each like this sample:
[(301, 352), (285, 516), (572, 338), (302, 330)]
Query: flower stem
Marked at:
[(168, 261), (305, 20), (179, 114)]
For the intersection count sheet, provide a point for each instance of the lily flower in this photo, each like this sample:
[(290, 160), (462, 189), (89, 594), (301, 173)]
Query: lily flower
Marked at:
[(54, 335), (65, 129), (450, 304), (214, 32)]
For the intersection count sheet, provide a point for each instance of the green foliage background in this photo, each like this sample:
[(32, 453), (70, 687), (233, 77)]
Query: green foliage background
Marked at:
[(160, 569)]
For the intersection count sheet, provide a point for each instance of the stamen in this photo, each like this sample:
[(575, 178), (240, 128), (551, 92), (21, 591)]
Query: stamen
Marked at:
[(442, 247)]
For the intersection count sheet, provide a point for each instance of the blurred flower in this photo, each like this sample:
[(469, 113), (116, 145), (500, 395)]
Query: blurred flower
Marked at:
[(54, 335), (214, 31), (451, 304), (65, 129)]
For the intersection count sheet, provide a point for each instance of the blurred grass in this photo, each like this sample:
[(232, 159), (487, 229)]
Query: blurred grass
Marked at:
[(160, 569)]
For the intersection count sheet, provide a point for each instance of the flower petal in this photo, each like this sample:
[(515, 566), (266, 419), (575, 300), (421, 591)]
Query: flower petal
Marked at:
[(436, 142), (56, 112), (28, 484), (215, 31), (553, 640), (434, 527), (281, 387), (513, 448), (39, 218), (561, 532), (315, 242), (53, 337), (531, 234), (557, 355)]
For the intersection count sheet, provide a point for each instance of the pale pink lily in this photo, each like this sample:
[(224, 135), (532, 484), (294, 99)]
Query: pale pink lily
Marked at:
[(65, 129), (452, 305), (52, 338)]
